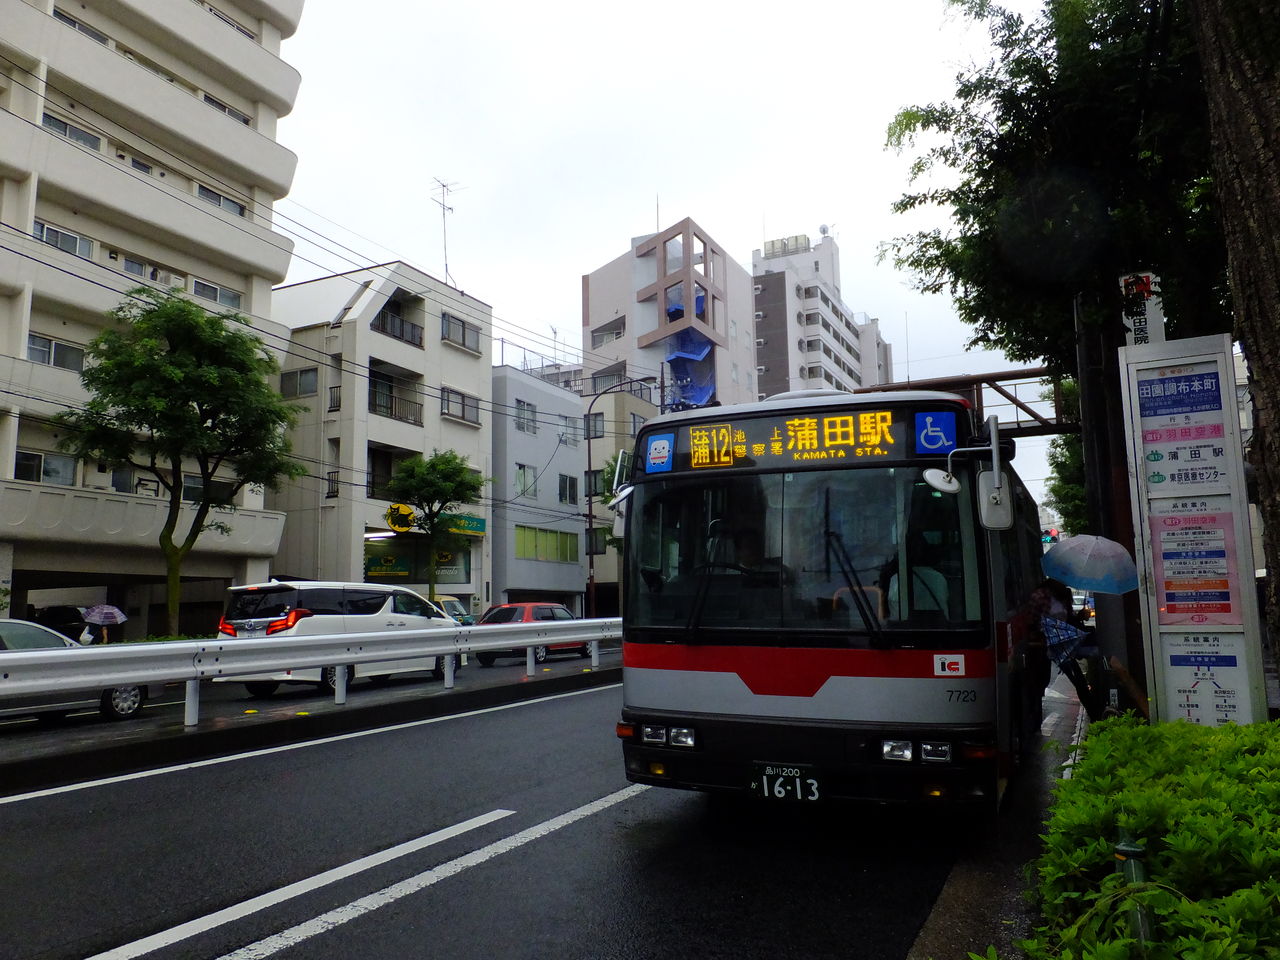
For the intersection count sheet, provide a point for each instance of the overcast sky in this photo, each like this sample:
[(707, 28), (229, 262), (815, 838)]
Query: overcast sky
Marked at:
[(566, 128)]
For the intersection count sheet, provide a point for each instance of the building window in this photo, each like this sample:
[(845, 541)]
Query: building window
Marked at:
[(220, 491), (72, 132), (88, 31), (63, 239), (233, 24), (44, 468), (596, 542), (459, 405), (536, 543), (526, 417), (300, 383), (594, 425), (54, 353), (568, 489), (526, 480), (456, 330), (231, 112), (637, 422), (570, 429), (593, 481), (211, 291), (218, 200)]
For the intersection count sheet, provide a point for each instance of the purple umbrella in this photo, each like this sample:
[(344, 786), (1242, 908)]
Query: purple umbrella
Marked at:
[(104, 614)]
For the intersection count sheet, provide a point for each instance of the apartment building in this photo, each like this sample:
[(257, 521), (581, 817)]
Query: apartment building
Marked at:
[(806, 337), (390, 362), (674, 309), (137, 147), (539, 462)]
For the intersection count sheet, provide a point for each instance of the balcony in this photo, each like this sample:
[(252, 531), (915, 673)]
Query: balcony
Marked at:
[(397, 408), (82, 517), (395, 326)]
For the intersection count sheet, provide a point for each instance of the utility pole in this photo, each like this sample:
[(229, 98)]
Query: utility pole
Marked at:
[(445, 210)]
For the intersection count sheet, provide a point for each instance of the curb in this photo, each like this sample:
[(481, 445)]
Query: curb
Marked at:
[(175, 744)]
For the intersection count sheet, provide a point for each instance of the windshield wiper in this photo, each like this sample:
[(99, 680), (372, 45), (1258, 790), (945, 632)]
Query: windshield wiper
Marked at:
[(835, 544), (704, 578)]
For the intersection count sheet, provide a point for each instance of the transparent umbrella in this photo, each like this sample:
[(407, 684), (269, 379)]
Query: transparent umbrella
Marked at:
[(1091, 563)]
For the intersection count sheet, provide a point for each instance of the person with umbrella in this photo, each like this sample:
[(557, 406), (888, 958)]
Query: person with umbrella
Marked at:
[(102, 615)]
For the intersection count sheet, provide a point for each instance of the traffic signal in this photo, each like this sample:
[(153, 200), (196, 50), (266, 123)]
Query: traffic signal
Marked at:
[(1049, 536)]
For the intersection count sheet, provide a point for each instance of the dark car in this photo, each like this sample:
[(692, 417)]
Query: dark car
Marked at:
[(67, 620), (115, 703), (529, 612)]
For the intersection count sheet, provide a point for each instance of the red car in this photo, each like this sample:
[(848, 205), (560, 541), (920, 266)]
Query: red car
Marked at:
[(529, 613)]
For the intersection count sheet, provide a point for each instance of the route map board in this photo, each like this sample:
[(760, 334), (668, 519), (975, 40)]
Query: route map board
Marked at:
[(1195, 562)]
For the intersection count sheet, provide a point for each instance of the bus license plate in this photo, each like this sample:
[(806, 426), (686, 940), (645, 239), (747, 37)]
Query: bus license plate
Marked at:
[(786, 781)]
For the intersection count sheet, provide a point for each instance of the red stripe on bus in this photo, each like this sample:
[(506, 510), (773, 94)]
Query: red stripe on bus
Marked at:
[(801, 671)]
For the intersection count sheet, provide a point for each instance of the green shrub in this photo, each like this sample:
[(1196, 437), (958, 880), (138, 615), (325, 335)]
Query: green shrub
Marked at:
[(1204, 804)]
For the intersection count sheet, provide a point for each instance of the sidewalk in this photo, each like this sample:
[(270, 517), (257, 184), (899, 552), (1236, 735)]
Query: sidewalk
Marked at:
[(984, 901)]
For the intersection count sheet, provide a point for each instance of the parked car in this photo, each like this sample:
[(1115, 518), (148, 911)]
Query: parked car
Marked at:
[(454, 608), (1083, 604), (67, 620), (115, 703), (529, 613), (299, 608)]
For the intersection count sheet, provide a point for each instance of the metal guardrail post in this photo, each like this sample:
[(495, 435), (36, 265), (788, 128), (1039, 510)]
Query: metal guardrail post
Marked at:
[(595, 654), (528, 661), (339, 684), (191, 709), (450, 665), (1129, 861)]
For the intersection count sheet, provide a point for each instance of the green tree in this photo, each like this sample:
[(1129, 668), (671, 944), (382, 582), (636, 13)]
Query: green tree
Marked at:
[(1238, 40), (433, 487), (1065, 486), (173, 390), (1080, 152)]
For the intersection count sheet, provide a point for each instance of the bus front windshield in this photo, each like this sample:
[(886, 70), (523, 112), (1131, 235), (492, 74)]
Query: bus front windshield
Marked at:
[(864, 556)]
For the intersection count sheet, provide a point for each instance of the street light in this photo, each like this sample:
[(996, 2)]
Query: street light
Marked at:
[(591, 557)]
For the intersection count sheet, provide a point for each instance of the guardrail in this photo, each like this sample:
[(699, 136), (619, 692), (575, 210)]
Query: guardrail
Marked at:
[(53, 671)]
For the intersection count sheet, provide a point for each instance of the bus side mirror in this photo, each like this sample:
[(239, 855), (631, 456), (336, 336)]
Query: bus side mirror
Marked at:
[(995, 502)]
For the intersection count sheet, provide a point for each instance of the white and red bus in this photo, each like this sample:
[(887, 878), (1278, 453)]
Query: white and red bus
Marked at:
[(819, 589)]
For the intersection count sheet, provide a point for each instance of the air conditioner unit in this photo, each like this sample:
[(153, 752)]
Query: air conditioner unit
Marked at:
[(759, 341), (757, 289), (761, 369), (759, 314)]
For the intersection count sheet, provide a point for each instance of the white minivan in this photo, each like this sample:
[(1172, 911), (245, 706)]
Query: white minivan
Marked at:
[(298, 608)]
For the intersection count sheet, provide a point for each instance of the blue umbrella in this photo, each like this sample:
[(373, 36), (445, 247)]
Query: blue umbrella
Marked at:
[(1091, 563)]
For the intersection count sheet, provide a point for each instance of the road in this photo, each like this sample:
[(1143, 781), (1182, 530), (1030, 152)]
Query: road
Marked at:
[(523, 841)]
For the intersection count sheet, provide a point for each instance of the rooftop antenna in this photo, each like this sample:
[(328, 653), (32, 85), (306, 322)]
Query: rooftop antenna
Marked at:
[(445, 209)]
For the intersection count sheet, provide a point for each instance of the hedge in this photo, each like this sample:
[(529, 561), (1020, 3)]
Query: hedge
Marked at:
[(1203, 803)]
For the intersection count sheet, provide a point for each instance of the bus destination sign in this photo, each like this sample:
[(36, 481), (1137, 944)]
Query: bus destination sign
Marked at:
[(793, 440)]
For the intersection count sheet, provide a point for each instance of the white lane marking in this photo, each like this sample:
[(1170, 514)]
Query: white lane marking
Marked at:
[(267, 751), (243, 909), (388, 895)]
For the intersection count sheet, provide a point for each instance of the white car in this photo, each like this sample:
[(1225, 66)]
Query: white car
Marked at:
[(116, 703), (298, 608)]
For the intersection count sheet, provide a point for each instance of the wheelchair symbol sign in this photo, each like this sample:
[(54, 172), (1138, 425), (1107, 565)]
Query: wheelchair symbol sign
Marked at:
[(935, 432)]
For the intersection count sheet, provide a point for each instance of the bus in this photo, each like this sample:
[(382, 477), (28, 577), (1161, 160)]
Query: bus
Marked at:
[(819, 593)]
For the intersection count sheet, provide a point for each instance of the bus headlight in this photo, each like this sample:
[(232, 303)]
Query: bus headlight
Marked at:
[(681, 737), (895, 749), (653, 734), (935, 751)]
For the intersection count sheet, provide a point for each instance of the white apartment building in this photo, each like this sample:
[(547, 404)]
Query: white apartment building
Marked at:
[(539, 461), (806, 336), (137, 146), (675, 309), (390, 362)]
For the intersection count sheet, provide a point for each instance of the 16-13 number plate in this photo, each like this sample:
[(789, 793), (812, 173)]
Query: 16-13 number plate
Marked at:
[(786, 781)]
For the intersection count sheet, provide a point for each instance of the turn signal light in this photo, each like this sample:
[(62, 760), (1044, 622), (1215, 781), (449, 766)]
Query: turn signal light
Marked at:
[(625, 731), (658, 769), (978, 751)]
